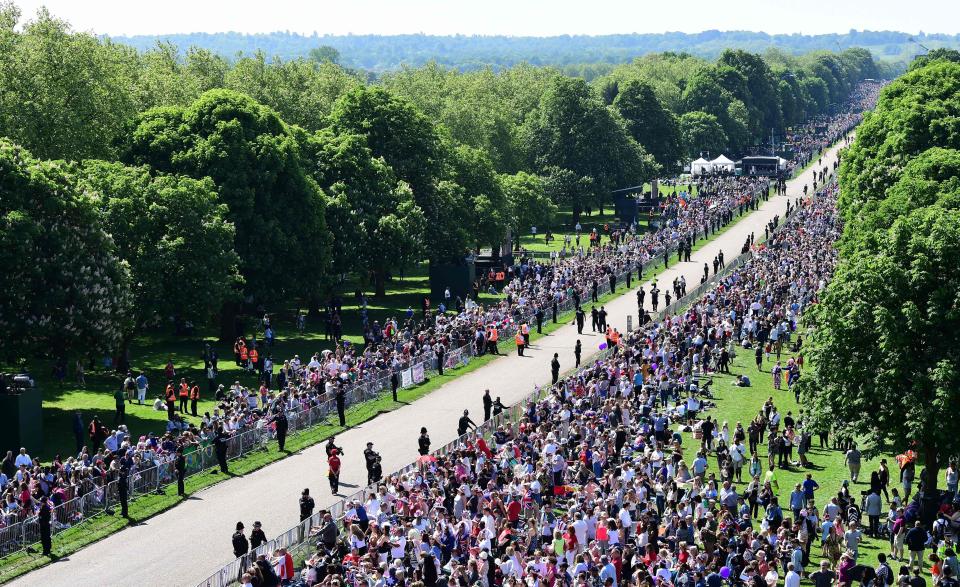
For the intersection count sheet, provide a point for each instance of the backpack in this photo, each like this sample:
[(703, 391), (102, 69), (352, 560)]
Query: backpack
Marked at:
[(885, 574)]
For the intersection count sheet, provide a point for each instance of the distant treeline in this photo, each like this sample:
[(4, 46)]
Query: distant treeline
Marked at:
[(583, 54)]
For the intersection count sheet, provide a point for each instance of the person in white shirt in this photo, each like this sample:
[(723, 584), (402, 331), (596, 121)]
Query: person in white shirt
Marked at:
[(23, 458), (792, 579), (771, 577)]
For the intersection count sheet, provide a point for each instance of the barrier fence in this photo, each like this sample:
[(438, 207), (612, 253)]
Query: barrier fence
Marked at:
[(299, 539), (22, 529)]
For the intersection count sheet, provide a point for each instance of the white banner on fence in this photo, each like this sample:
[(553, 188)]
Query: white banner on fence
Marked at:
[(418, 373), (406, 378)]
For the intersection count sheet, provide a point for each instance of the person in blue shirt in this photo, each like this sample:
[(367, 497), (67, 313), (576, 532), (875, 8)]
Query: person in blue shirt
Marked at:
[(797, 501), (607, 571), (809, 487)]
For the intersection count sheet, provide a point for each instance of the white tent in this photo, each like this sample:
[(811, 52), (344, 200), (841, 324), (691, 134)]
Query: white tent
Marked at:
[(721, 164), (700, 167)]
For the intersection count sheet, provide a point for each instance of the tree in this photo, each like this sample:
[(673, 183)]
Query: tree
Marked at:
[(650, 123), (490, 209), (918, 111), (254, 158), (763, 97), (399, 133), (574, 130), (301, 91), (933, 177), (377, 225), (325, 54), (63, 287), (173, 233), (566, 188), (529, 200), (701, 133), (885, 353), (62, 94), (944, 53)]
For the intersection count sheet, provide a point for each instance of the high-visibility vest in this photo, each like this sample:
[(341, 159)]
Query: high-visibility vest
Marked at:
[(524, 328), (254, 355), (195, 392), (243, 353), (494, 335), (184, 390), (171, 393), (519, 339), (501, 276)]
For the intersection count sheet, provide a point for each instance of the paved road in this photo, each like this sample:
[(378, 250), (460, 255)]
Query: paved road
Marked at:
[(184, 545)]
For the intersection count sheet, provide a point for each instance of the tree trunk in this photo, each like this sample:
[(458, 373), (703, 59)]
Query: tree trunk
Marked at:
[(931, 497), (313, 306), (380, 283), (229, 313)]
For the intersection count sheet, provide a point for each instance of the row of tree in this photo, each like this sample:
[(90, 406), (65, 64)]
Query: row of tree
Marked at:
[(886, 349), (180, 187), (466, 52)]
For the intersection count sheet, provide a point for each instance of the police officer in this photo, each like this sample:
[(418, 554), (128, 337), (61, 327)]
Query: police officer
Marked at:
[(330, 447), (306, 505), (181, 468), (555, 368), (372, 461), (487, 405), (123, 489), (280, 418), (341, 399), (464, 424), (220, 445), (423, 442), (240, 545), (44, 517)]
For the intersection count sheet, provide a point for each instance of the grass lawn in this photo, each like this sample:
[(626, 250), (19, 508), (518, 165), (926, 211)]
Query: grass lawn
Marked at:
[(151, 351), (565, 225), (739, 404)]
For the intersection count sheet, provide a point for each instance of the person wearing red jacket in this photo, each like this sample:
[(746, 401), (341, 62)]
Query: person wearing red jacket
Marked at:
[(333, 462)]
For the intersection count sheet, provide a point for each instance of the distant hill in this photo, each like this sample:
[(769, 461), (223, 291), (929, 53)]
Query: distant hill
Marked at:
[(384, 53)]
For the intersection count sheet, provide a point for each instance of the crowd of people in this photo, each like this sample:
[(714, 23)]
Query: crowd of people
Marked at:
[(535, 292), (816, 134), (597, 484)]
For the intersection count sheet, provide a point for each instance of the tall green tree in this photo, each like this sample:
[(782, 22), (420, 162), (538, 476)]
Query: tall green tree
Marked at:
[(62, 94), (650, 123), (529, 200), (173, 233), (379, 227), (490, 208), (255, 160), (412, 146), (886, 348), (574, 130), (918, 111), (701, 133), (63, 287)]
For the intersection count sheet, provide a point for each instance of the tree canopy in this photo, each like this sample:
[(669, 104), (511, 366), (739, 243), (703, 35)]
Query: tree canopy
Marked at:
[(63, 286), (885, 351), (254, 159)]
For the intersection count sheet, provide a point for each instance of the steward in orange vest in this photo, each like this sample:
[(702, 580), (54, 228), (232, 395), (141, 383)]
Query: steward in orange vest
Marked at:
[(194, 398), (184, 394), (518, 338), (171, 400)]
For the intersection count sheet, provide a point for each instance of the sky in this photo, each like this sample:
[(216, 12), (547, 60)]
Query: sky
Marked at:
[(500, 17)]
